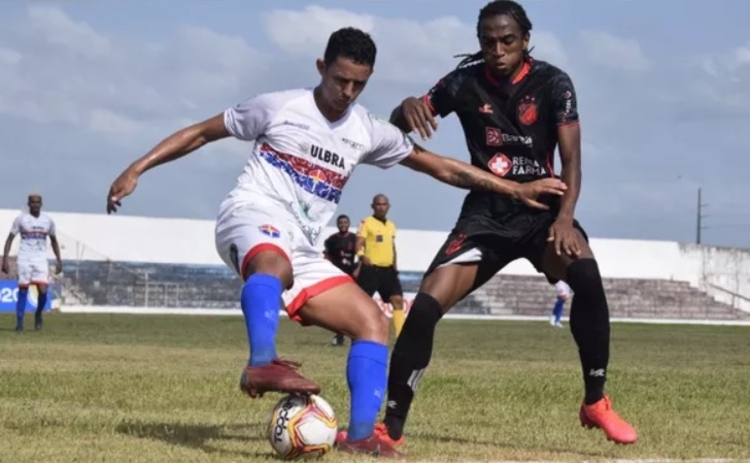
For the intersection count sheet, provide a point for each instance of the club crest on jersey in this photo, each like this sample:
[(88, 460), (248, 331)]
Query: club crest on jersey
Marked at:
[(528, 112), (329, 157), (269, 230), (500, 164)]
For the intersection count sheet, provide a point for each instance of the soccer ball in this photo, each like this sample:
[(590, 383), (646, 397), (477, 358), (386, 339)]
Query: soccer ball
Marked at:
[(301, 427)]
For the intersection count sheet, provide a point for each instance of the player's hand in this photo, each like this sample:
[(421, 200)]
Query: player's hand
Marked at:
[(58, 268), (419, 117), (365, 261), (566, 237), (528, 193), (5, 267), (123, 186)]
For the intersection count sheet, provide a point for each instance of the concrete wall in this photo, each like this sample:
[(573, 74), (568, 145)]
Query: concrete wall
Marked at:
[(139, 239)]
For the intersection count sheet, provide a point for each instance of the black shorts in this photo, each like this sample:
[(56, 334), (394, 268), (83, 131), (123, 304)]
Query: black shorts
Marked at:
[(494, 245), (381, 280)]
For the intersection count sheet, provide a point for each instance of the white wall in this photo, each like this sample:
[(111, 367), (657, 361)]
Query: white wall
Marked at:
[(139, 239)]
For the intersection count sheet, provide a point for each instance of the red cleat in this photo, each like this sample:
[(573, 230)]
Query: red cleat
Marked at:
[(277, 376), (372, 445), (382, 432), (600, 415)]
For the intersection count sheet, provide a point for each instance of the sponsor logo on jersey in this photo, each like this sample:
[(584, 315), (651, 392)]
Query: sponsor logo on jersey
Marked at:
[(495, 137), (329, 157)]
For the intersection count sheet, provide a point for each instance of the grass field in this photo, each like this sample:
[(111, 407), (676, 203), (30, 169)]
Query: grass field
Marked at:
[(118, 388)]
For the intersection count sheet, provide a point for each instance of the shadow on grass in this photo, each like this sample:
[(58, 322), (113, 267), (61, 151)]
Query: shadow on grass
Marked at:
[(509, 445), (201, 437)]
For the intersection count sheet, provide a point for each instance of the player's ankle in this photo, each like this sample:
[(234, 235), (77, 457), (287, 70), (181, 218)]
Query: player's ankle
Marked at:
[(395, 426), (593, 395)]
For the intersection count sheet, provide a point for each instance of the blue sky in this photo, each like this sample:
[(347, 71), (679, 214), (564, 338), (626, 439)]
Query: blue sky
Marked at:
[(664, 94)]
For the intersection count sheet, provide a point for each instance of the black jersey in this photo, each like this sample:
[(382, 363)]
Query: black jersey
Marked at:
[(340, 250), (510, 128)]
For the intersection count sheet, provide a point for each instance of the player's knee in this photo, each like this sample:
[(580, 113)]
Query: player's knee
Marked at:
[(371, 325), (424, 314), (22, 291), (270, 263), (583, 275)]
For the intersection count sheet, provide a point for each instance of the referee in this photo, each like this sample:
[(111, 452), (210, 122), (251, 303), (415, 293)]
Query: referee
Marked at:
[(376, 249), (339, 248)]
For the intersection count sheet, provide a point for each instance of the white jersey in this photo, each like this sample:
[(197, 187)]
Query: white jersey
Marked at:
[(562, 289), (300, 161), (34, 232)]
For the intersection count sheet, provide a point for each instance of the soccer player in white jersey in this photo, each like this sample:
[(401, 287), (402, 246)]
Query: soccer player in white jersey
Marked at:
[(562, 292), (307, 144), (33, 269)]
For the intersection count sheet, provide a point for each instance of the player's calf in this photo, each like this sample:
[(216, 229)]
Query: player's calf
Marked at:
[(347, 309), (411, 356), (23, 293)]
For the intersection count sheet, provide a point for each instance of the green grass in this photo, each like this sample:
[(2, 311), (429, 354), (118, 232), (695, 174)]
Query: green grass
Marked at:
[(117, 388)]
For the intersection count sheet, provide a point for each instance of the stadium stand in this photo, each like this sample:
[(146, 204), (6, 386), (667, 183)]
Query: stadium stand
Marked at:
[(205, 286), (144, 262)]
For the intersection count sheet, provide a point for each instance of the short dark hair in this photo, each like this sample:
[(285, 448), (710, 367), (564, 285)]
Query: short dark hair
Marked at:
[(342, 216), (351, 43), (498, 8)]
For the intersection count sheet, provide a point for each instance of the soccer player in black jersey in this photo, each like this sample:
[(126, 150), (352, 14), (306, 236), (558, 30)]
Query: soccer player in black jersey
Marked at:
[(340, 248), (514, 111)]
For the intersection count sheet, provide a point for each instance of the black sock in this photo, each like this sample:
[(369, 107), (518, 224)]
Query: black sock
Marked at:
[(40, 303), (409, 359), (589, 323)]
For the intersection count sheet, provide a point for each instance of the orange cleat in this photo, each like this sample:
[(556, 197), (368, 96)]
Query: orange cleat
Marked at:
[(600, 415), (372, 445), (277, 376), (382, 432)]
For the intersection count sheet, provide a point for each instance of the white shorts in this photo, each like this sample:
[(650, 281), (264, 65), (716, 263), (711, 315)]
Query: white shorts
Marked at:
[(33, 273), (245, 229)]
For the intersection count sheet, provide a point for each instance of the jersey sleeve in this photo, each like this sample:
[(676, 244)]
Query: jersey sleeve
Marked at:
[(362, 230), (389, 144), (15, 228), (442, 97), (564, 102), (249, 119), (52, 228)]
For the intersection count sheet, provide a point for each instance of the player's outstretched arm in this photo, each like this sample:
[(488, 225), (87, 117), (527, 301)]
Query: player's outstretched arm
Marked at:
[(170, 149), (463, 175)]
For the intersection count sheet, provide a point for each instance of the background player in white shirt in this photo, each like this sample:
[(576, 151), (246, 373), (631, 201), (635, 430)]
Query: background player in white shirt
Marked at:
[(307, 144), (562, 291), (33, 269)]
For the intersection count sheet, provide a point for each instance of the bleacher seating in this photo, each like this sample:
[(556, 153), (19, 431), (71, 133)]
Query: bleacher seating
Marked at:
[(196, 286)]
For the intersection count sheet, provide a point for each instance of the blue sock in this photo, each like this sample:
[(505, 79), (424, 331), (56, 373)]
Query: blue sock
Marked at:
[(23, 294), (366, 374), (557, 311), (260, 302)]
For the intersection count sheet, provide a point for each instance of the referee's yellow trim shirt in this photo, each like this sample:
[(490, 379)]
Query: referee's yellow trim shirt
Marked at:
[(379, 239)]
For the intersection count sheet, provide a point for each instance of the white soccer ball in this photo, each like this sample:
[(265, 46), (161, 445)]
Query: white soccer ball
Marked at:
[(301, 427)]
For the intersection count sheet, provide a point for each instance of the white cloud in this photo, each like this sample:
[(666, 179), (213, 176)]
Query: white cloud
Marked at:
[(312, 26), (408, 51), (54, 27), (102, 99), (613, 52)]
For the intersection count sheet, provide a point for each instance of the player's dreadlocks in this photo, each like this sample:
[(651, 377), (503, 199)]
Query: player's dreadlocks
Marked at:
[(351, 43), (497, 8)]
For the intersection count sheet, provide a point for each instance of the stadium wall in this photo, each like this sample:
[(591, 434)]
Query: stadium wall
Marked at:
[(722, 272)]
